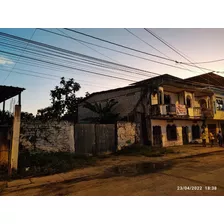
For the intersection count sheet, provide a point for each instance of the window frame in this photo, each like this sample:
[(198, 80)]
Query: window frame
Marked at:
[(171, 132)]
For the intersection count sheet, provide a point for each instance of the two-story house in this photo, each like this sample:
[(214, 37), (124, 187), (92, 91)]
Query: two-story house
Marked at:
[(169, 110)]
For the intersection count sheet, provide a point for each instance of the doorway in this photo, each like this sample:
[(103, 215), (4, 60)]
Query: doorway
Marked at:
[(212, 128), (185, 135), (157, 136)]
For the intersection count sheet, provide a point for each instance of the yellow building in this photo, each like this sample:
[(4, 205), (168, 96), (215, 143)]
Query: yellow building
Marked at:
[(169, 110)]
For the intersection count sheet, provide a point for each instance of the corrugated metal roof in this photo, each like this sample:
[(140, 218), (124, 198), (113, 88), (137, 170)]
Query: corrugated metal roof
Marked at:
[(209, 78), (7, 92)]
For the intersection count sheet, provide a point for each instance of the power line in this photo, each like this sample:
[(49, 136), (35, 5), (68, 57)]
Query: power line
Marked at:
[(73, 53), (146, 43), (88, 46), (121, 52), (171, 47), (206, 62), (119, 45), (50, 75), (19, 57), (46, 54), (95, 73), (156, 49)]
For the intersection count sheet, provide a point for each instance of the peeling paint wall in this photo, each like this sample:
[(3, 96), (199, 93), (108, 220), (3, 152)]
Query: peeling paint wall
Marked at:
[(126, 98), (48, 136), (127, 134)]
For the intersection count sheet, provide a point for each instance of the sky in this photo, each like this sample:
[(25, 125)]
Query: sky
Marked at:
[(197, 44)]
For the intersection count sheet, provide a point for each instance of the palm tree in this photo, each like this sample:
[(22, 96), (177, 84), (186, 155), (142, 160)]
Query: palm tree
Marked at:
[(105, 114)]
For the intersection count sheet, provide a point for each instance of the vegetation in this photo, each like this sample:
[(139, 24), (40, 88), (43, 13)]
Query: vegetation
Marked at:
[(40, 163), (104, 113), (64, 102)]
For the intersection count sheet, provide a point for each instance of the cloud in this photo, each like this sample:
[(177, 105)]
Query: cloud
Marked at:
[(5, 61)]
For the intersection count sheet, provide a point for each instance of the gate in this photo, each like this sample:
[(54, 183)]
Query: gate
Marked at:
[(95, 138), (185, 135), (157, 136)]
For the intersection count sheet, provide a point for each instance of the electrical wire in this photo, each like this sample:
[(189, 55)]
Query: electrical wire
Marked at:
[(121, 52), (48, 62), (172, 48), (19, 57), (75, 53)]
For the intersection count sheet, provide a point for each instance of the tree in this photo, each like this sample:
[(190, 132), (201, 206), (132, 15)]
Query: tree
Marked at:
[(6, 117), (105, 114), (27, 116), (64, 102)]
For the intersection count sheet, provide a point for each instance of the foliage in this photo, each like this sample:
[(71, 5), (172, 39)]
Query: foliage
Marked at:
[(64, 102), (6, 117), (25, 116), (41, 163), (105, 114)]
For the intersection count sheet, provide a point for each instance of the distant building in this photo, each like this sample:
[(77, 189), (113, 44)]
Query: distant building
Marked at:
[(170, 110)]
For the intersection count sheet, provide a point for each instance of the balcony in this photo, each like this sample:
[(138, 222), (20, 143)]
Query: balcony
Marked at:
[(207, 113), (170, 110), (194, 112)]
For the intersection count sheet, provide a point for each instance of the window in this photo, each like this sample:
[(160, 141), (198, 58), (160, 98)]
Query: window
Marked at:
[(167, 99), (171, 131), (195, 131), (188, 99), (219, 104)]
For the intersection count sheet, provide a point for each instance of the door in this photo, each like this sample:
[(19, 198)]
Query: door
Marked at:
[(157, 136), (185, 135), (212, 128)]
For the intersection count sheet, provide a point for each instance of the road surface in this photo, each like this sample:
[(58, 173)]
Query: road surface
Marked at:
[(193, 176)]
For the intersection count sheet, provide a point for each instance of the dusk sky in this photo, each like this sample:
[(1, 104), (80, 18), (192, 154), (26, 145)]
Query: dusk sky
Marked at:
[(198, 44)]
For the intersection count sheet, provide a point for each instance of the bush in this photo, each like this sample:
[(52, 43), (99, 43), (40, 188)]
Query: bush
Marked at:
[(44, 163)]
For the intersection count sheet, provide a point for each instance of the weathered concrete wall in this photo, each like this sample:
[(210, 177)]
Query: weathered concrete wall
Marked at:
[(48, 136), (127, 134), (126, 98), (179, 124)]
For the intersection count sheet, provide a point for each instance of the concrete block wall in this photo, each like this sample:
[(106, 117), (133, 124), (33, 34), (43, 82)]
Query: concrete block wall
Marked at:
[(48, 136)]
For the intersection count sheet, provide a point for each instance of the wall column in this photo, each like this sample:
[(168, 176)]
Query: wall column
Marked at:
[(15, 138), (162, 95)]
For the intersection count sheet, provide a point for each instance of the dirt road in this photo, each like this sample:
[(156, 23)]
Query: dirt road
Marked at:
[(193, 176)]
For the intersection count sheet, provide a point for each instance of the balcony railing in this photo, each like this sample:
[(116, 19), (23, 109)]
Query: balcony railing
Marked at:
[(155, 110), (207, 113), (171, 109)]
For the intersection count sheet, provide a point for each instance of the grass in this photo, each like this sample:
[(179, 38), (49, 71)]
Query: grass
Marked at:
[(40, 163), (142, 150)]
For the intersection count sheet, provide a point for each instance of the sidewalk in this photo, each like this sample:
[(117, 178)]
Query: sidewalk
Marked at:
[(104, 164)]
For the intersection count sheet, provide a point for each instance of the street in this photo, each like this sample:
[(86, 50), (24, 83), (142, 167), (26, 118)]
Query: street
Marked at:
[(202, 175)]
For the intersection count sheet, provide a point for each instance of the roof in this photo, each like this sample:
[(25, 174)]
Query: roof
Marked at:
[(135, 85), (7, 92), (203, 80), (162, 77), (107, 91), (208, 78)]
